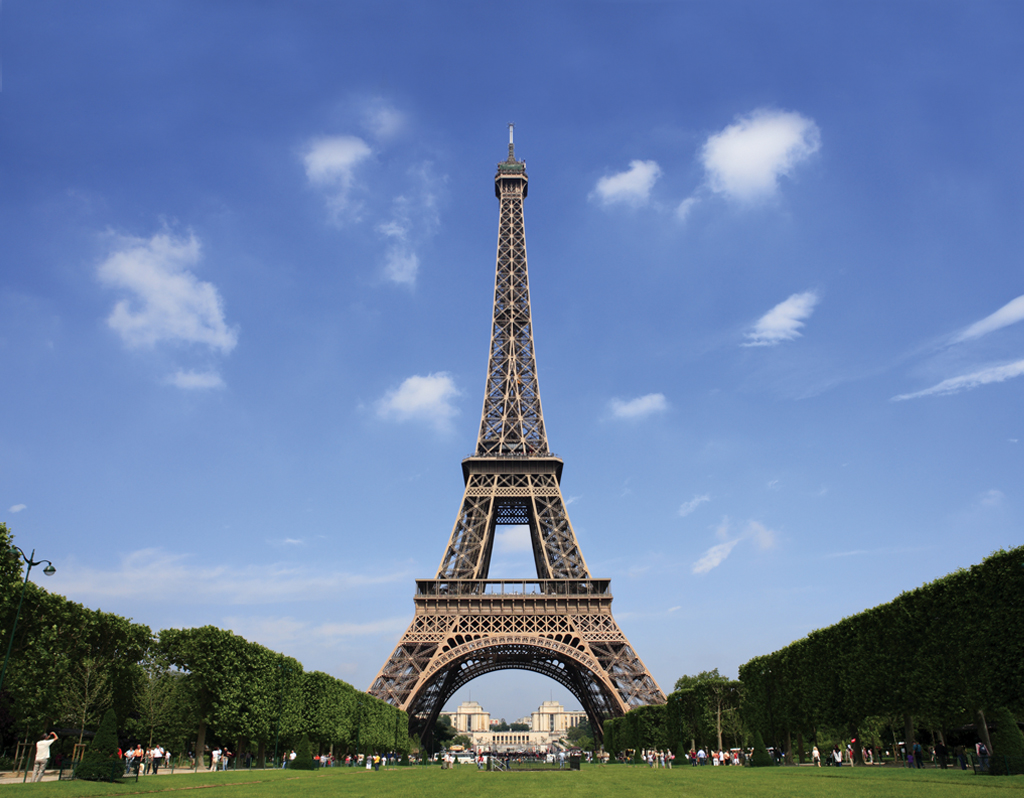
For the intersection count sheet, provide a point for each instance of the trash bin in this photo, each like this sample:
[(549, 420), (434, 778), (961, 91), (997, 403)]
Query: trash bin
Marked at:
[(574, 761)]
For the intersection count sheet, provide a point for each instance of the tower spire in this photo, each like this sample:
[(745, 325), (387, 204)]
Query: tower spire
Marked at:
[(511, 146)]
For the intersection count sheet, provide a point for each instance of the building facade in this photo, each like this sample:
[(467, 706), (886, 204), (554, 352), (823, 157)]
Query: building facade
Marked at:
[(547, 728)]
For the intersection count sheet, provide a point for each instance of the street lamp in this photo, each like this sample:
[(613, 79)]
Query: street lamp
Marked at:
[(49, 570)]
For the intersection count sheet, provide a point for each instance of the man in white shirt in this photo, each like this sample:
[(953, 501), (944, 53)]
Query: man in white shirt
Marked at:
[(43, 756)]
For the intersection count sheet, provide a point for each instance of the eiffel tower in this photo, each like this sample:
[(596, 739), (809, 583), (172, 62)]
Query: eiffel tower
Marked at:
[(559, 624)]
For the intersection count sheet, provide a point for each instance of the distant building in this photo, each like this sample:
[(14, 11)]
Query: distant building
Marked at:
[(547, 726)]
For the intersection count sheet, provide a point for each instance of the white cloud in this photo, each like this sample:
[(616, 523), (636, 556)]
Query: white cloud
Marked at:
[(168, 302), (511, 539), (153, 575), (632, 187), (714, 556), (383, 119), (401, 266), (17, 508), (414, 217), (762, 537), (331, 162), (783, 322), (195, 380), (639, 407), (968, 381), (745, 160), (1010, 313), (693, 504), (684, 208), (421, 398), (992, 498)]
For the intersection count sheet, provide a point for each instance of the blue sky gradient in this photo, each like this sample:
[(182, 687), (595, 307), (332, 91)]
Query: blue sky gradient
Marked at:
[(246, 271)]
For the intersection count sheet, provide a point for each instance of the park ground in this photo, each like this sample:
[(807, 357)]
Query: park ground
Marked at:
[(591, 782)]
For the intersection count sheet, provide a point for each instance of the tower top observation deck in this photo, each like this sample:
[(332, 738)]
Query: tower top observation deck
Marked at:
[(511, 171)]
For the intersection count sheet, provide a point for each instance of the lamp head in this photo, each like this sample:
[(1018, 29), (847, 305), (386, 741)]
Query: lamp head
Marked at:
[(49, 570)]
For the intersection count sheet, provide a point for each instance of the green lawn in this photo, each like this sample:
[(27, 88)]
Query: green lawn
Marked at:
[(592, 782)]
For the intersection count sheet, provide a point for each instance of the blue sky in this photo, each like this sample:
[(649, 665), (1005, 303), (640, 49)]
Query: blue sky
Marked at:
[(246, 265)]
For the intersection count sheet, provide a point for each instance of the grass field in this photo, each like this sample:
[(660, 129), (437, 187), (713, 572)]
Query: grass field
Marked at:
[(591, 782)]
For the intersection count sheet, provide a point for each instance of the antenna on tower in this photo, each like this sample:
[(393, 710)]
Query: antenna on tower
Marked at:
[(511, 146)]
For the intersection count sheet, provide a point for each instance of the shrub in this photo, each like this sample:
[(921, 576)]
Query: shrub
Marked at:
[(101, 762), (1007, 744), (405, 758), (303, 755), (761, 757)]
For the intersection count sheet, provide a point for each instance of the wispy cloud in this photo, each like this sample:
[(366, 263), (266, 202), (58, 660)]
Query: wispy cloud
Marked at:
[(755, 531), (1010, 313), (688, 507), (640, 407), (331, 163), (382, 119), (196, 380), (968, 382), (745, 160), (166, 302), (714, 556), (17, 508), (783, 322), (684, 208), (154, 575), (632, 187), (413, 219), (423, 399), (991, 498)]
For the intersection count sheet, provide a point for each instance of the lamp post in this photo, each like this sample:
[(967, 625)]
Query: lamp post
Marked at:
[(49, 570), (280, 707)]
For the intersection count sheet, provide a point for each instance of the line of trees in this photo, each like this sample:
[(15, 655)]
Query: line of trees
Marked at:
[(943, 657), (936, 657), (181, 688)]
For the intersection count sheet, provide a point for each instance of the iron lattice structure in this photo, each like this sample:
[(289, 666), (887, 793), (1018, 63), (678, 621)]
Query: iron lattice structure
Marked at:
[(559, 624)]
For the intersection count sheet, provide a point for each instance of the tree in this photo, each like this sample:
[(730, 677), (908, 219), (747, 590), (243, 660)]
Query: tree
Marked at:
[(443, 732), (761, 758), (85, 693), (581, 736), (101, 762), (518, 727), (720, 697), (303, 755), (1007, 744)]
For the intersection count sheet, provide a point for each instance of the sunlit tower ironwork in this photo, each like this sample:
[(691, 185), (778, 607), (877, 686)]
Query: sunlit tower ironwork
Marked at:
[(559, 624)]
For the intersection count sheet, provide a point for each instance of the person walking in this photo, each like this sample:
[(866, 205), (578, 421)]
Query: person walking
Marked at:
[(43, 756), (816, 756)]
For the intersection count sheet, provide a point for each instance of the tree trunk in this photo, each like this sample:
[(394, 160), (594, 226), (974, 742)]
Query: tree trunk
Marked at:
[(908, 732), (718, 723), (981, 725), (261, 755), (789, 746), (858, 746), (200, 745), (800, 746)]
